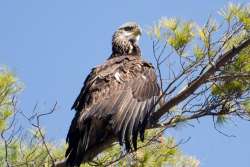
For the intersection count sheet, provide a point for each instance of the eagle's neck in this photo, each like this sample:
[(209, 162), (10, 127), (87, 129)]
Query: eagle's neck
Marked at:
[(121, 46)]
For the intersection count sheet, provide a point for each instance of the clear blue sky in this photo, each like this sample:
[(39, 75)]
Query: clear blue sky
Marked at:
[(51, 45)]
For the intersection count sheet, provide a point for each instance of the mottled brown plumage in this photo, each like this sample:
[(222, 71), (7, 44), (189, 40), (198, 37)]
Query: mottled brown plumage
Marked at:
[(114, 104)]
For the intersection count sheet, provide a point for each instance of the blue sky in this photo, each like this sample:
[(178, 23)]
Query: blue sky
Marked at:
[(51, 45)]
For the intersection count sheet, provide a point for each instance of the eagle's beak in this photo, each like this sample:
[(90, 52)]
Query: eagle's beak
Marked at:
[(137, 32), (135, 35)]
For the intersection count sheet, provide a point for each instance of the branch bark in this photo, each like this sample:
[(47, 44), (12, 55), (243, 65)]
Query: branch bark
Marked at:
[(200, 80)]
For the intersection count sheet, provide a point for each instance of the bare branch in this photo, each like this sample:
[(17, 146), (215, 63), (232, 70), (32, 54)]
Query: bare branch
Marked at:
[(200, 80)]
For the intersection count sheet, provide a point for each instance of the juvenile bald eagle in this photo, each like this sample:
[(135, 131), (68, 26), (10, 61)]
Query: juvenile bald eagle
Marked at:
[(115, 102)]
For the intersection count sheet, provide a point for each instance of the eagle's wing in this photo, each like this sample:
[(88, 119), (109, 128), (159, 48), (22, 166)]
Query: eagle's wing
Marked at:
[(117, 97)]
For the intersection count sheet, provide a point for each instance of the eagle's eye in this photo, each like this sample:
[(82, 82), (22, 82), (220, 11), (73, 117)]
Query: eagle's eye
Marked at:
[(128, 28)]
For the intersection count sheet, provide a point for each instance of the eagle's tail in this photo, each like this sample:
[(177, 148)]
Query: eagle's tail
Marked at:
[(85, 142)]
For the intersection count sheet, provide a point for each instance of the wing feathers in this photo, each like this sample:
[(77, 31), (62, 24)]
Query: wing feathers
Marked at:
[(121, 104)]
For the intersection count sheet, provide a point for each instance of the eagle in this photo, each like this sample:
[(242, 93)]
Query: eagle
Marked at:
[(115, 102)]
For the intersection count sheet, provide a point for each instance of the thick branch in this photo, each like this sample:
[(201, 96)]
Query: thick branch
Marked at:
[(200, 80)]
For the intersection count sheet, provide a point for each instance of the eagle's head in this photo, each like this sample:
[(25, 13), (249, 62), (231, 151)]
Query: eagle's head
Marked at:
[(125, 39)]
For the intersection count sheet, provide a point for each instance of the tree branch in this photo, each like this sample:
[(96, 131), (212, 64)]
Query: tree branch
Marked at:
[(200, 80)]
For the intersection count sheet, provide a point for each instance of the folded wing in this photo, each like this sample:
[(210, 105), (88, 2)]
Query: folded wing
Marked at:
[(117, 98)]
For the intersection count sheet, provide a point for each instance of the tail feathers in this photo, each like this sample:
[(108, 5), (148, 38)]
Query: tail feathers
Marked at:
[(84, 143), (78, 146)]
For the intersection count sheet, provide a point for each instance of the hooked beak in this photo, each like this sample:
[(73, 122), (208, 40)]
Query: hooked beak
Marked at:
[(137, 32), (136, 36)]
